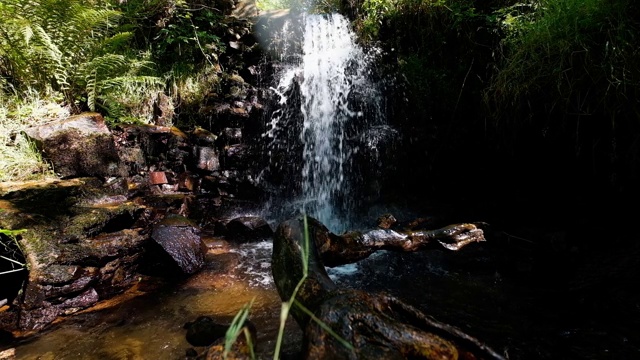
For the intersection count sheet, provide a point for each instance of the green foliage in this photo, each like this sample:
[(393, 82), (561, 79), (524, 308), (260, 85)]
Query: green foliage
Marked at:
[(238, 326), (568, 57), (273, 4), (19, 158), (450, 12), (73, 47), (190, 37)]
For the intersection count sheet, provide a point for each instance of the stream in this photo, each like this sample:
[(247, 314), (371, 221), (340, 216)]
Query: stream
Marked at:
[(493, 291)]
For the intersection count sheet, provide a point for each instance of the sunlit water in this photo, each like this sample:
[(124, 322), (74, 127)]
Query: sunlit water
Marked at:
[(150, 326)]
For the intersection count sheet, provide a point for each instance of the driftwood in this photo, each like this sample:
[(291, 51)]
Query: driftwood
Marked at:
[(376, 326), (353, 246)]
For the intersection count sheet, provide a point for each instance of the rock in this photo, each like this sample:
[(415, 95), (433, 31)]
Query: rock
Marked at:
[(158, 178), (180, 238), (80, 145), (9, 354), (377, 326), (203, 137), (207, 158), (386, 221), (231, 136), (86, 124), (237, 156), (249, 228), (81, 245), (204, 331)]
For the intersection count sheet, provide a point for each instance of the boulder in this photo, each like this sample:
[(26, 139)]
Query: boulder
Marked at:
[(249, 228), (180, 238), (81, 245), (80, 145)]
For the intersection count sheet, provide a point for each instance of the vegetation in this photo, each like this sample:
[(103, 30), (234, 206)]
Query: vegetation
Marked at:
[(61, 57), (10, 251)]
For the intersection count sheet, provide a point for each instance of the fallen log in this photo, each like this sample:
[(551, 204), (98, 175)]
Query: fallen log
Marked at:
[(354, 246), (364, 326)]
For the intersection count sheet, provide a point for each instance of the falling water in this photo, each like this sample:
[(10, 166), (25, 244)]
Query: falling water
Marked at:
[(327, 97)]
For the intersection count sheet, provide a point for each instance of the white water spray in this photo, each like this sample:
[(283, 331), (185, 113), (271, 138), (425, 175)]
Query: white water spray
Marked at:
[(336, 101)]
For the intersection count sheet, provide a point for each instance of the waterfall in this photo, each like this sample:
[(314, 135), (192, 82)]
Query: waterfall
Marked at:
[(326, 101)]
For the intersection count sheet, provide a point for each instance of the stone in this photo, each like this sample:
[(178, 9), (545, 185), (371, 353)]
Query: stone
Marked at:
[(180, 238), (9, 354), (81, 246), (80, 145), (237, 156), (204, 331), (207, 158), (386, 221), (158, 178), (248, 228)]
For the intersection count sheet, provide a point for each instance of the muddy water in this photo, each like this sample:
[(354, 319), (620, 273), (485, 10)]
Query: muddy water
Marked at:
[(149, 325)]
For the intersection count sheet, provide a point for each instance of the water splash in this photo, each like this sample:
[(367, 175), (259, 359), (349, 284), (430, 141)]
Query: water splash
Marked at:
[(326, 100)]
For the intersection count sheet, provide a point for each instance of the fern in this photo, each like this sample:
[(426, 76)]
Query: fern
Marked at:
[(74, 45)]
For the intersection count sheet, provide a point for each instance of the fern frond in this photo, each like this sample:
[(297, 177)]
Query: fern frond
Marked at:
[(116, 42), (52, 53), (132, 84), (92, 90)]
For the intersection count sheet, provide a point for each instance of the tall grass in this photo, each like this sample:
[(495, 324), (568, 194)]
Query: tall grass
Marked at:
[(566, 56), (19, 159)]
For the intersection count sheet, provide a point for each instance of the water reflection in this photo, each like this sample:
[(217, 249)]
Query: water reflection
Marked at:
[(150, 325)]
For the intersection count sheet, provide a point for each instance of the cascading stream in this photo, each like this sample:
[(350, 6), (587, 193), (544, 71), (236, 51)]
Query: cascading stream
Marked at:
[(335, 102)]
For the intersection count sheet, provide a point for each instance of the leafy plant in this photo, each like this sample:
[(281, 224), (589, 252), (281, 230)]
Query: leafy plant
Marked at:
[(190, 34), (238, 326), (73, 47), (19, 158)]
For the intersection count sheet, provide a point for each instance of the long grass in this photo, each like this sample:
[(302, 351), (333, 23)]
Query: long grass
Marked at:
[(19, 158), (569, 54)]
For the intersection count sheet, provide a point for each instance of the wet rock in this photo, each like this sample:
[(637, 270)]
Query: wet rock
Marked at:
[(237, 156), (231, 136), (9, 354), (82, 301), (38, 319), (81, 245), (207, 158), (153, 148), (386, 221), (377, 326), (248, 228), (203, 137), (204, 331), (180, 238)]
